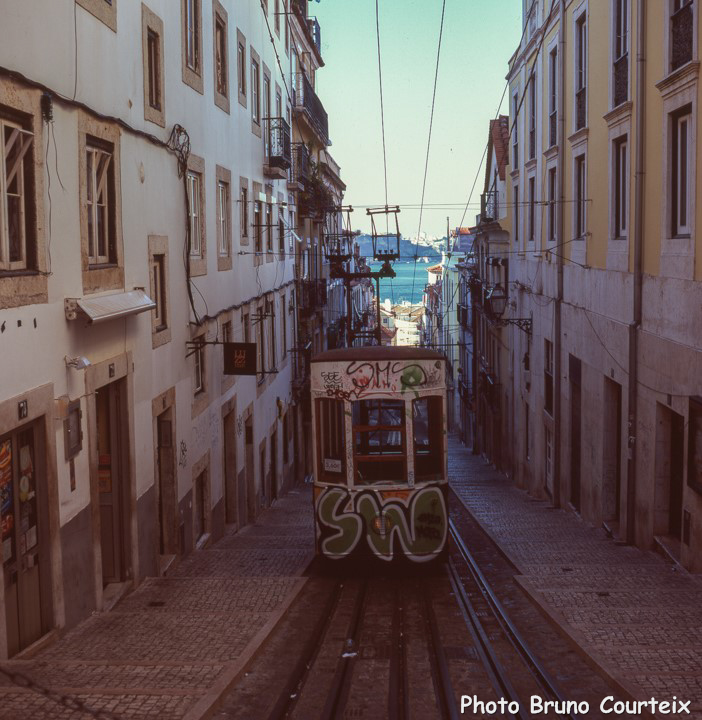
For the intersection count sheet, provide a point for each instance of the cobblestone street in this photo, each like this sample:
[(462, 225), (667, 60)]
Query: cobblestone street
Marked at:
[(638, 617), (168, 649)]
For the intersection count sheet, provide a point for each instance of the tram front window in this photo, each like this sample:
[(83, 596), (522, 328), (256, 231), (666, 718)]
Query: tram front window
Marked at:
[(428, 425), (379, 441)]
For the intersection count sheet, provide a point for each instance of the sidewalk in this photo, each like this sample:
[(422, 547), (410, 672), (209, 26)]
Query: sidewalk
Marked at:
[(171, 647), (629, 610)]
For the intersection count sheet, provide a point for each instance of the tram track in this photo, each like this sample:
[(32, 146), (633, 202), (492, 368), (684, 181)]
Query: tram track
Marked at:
[(479, 601)]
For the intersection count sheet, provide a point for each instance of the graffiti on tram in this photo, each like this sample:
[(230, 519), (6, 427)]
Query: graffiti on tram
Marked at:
[(418, 527), (358, 378)]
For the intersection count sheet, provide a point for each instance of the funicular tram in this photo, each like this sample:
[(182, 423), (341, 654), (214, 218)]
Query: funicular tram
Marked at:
[(380, 454)]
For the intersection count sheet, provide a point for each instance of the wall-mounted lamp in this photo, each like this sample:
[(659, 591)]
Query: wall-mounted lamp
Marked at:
[(78, 363)]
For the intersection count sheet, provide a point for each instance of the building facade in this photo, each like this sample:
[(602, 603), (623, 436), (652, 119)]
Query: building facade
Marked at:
[(605, 264), (148, 216)]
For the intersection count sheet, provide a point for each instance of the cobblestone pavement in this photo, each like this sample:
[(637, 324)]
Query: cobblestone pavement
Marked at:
[(634, 614), (175, 642)]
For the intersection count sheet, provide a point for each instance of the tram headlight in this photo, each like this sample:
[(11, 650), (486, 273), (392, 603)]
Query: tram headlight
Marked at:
[(382, 524)]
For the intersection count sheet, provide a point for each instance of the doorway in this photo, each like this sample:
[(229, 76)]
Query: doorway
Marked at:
[(250, 472), (166, 486), (670, 428), (112, 480), (230, 490), (274, 467), (575, 374), (23, 521), (612, 451)]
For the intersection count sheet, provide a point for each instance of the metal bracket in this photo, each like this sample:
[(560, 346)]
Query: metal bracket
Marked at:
[(70, 307)]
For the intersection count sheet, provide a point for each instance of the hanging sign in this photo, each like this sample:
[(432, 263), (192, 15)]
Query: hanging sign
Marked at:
[(239, 358)]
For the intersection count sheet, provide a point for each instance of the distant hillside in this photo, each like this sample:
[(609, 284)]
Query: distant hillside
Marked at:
[(408, 249)]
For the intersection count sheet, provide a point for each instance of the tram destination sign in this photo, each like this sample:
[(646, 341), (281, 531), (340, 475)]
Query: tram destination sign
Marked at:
[(239, 358)]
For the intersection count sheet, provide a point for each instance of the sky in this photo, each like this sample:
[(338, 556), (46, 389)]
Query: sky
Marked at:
[(479, 37)]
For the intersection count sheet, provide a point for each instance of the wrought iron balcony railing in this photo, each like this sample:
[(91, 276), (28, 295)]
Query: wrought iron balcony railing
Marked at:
[(621, 80), (489, 206), (681, 31), (315, 32), (300, 163), (279, 145), (306, 101), (581, 108)]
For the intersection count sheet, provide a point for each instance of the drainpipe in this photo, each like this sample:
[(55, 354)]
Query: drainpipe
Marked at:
[(639, 177), (560, 172)]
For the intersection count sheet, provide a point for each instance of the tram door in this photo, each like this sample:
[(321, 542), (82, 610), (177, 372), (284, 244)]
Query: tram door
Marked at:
[(111, 482), (20, 538)]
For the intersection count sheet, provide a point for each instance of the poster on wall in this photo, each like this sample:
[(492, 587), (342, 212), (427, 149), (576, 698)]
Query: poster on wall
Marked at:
[(694, 461), (7, 515)]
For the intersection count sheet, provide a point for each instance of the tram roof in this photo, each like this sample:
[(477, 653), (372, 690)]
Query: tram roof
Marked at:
[(378, 352)]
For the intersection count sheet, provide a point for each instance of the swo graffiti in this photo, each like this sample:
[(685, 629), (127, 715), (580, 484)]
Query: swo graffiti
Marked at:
[(419, 527)]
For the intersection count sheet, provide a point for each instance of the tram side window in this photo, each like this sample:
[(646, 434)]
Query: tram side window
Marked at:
[(332, 439), (379, 441), (428, 426)]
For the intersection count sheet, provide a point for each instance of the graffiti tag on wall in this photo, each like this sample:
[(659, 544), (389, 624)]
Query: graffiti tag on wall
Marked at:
[(418, 529)]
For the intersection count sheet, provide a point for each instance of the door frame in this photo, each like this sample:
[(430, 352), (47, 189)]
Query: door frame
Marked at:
[(41, 409), (118, 369)]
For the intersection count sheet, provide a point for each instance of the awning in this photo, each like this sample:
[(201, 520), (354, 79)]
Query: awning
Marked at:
[(108, 307)]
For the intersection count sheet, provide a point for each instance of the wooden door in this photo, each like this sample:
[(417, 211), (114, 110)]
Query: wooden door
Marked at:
[(166, 484), (20, 539)]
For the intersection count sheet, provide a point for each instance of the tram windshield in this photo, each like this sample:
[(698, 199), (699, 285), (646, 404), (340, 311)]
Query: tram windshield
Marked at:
[(379, 441), (427, 423)]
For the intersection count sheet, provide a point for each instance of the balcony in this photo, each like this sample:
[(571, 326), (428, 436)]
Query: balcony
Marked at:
[(621, 80), (681, 32), (278, 148), (313, 297), (464, 316), (309, 106), (299, 169), (315, 32), (489, 206)]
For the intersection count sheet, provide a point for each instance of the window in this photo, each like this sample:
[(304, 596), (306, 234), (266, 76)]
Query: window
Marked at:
[(516, 214), (427, 428), (581, 72), (287, 27), (258, 227), (276, 19), (221, 57), (283, 326), (223, 233), (681, 33), (532, 209), (158, 290), (194, 214), (532, 115), (281, 235), (269, 227), (241, 67), (580, 196), (153, 44), (192, 33), (245, 327), (548, 377), (255, 92), (199, 373), (227, 332), (620, 69), (680, 180), (332, 436), (515, 131), (619, 179), (244, 211), (548, 459), (100, 194), (266, 114), (16, 195), (379, 441), (103, 10), (272, 350), (553, 97), (552, 216), (260, 350)]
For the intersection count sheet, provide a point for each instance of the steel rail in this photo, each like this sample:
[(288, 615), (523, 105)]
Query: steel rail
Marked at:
[(536, 667)]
